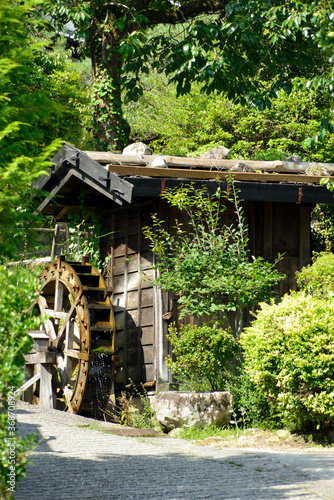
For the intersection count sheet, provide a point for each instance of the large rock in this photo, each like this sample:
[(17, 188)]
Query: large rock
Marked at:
[(158, 162), (193, 409), (137, 148), (218, 153), (241, 167), (294, 159)]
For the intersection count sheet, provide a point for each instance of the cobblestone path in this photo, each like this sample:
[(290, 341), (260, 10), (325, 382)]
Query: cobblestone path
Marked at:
[(76, 461)]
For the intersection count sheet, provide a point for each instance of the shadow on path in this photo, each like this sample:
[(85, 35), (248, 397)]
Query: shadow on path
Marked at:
[(74, 462)]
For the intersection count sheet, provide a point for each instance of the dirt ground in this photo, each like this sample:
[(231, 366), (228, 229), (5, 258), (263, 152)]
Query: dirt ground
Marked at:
[(273, 440)]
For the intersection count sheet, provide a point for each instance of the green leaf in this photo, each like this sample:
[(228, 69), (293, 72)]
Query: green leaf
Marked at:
[(121, 24)]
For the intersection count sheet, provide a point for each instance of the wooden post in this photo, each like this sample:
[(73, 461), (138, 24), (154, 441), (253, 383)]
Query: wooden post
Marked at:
[(28, 393), (54, 241), (67, 238), (305, 237), (45, 387)]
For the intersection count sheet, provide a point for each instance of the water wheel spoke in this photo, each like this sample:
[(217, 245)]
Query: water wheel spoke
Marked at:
[(42, 304), (63, 327), (73, 353), (61, 370), (59, 294), (66, 369), (50, 329)]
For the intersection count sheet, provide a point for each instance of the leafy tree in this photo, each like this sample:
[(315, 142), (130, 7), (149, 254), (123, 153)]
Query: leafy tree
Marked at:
[(193, 123), (23, 158), (225, 46), (66, 92), (22, 107), (206, 262)]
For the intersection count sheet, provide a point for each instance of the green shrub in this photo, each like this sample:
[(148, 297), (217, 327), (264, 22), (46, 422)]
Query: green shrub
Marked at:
[(207, 263), (318, 279), (322, 227), (126, 413), (204, 356), (249, 401), (288, 353)]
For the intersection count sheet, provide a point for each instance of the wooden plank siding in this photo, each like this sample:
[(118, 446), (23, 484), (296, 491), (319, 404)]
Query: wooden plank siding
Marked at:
[(283, 228), (132, 294)]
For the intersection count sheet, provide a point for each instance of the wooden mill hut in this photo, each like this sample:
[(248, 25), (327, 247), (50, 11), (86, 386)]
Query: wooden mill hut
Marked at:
[(124, 190)]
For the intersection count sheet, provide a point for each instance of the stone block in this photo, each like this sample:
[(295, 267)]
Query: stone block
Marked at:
[(219, 153), (193, 409)]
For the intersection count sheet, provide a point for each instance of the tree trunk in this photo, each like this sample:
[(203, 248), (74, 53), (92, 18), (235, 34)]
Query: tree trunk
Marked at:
[(111, 131)]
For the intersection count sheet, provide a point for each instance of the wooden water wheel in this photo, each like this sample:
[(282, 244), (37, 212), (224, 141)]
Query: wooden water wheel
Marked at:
[(79, 320)]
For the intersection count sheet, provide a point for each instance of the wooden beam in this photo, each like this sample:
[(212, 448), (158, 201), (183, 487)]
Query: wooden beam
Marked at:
[(305, 237), (72, 353), (177, 161), (204, 174), (54, 191), (205, 163), (268, 231), (57, 314), (27, 384), (40, 357)]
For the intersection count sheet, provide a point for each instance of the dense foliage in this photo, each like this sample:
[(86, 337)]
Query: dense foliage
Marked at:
[(250, 405), (322, 227), (17, 293), (249, 50), (22, 108), (206, 262), (193, 123), (288, 351), (204, 357), (317, 279), (65, 86)]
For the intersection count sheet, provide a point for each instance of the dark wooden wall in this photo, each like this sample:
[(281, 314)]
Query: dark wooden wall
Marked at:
[(142, 312), (281, 228)]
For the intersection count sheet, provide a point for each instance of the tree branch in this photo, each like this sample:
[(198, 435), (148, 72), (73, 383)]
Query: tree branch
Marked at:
[(188, 11), (175, 15)]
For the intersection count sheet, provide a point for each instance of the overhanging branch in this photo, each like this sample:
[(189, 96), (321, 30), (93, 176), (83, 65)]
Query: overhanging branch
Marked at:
[(174, 15)]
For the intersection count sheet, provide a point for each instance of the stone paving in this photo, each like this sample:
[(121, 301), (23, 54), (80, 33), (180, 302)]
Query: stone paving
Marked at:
[(79, 458)]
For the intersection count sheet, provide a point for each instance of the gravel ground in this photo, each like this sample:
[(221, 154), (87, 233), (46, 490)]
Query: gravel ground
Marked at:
[(79, 458)]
